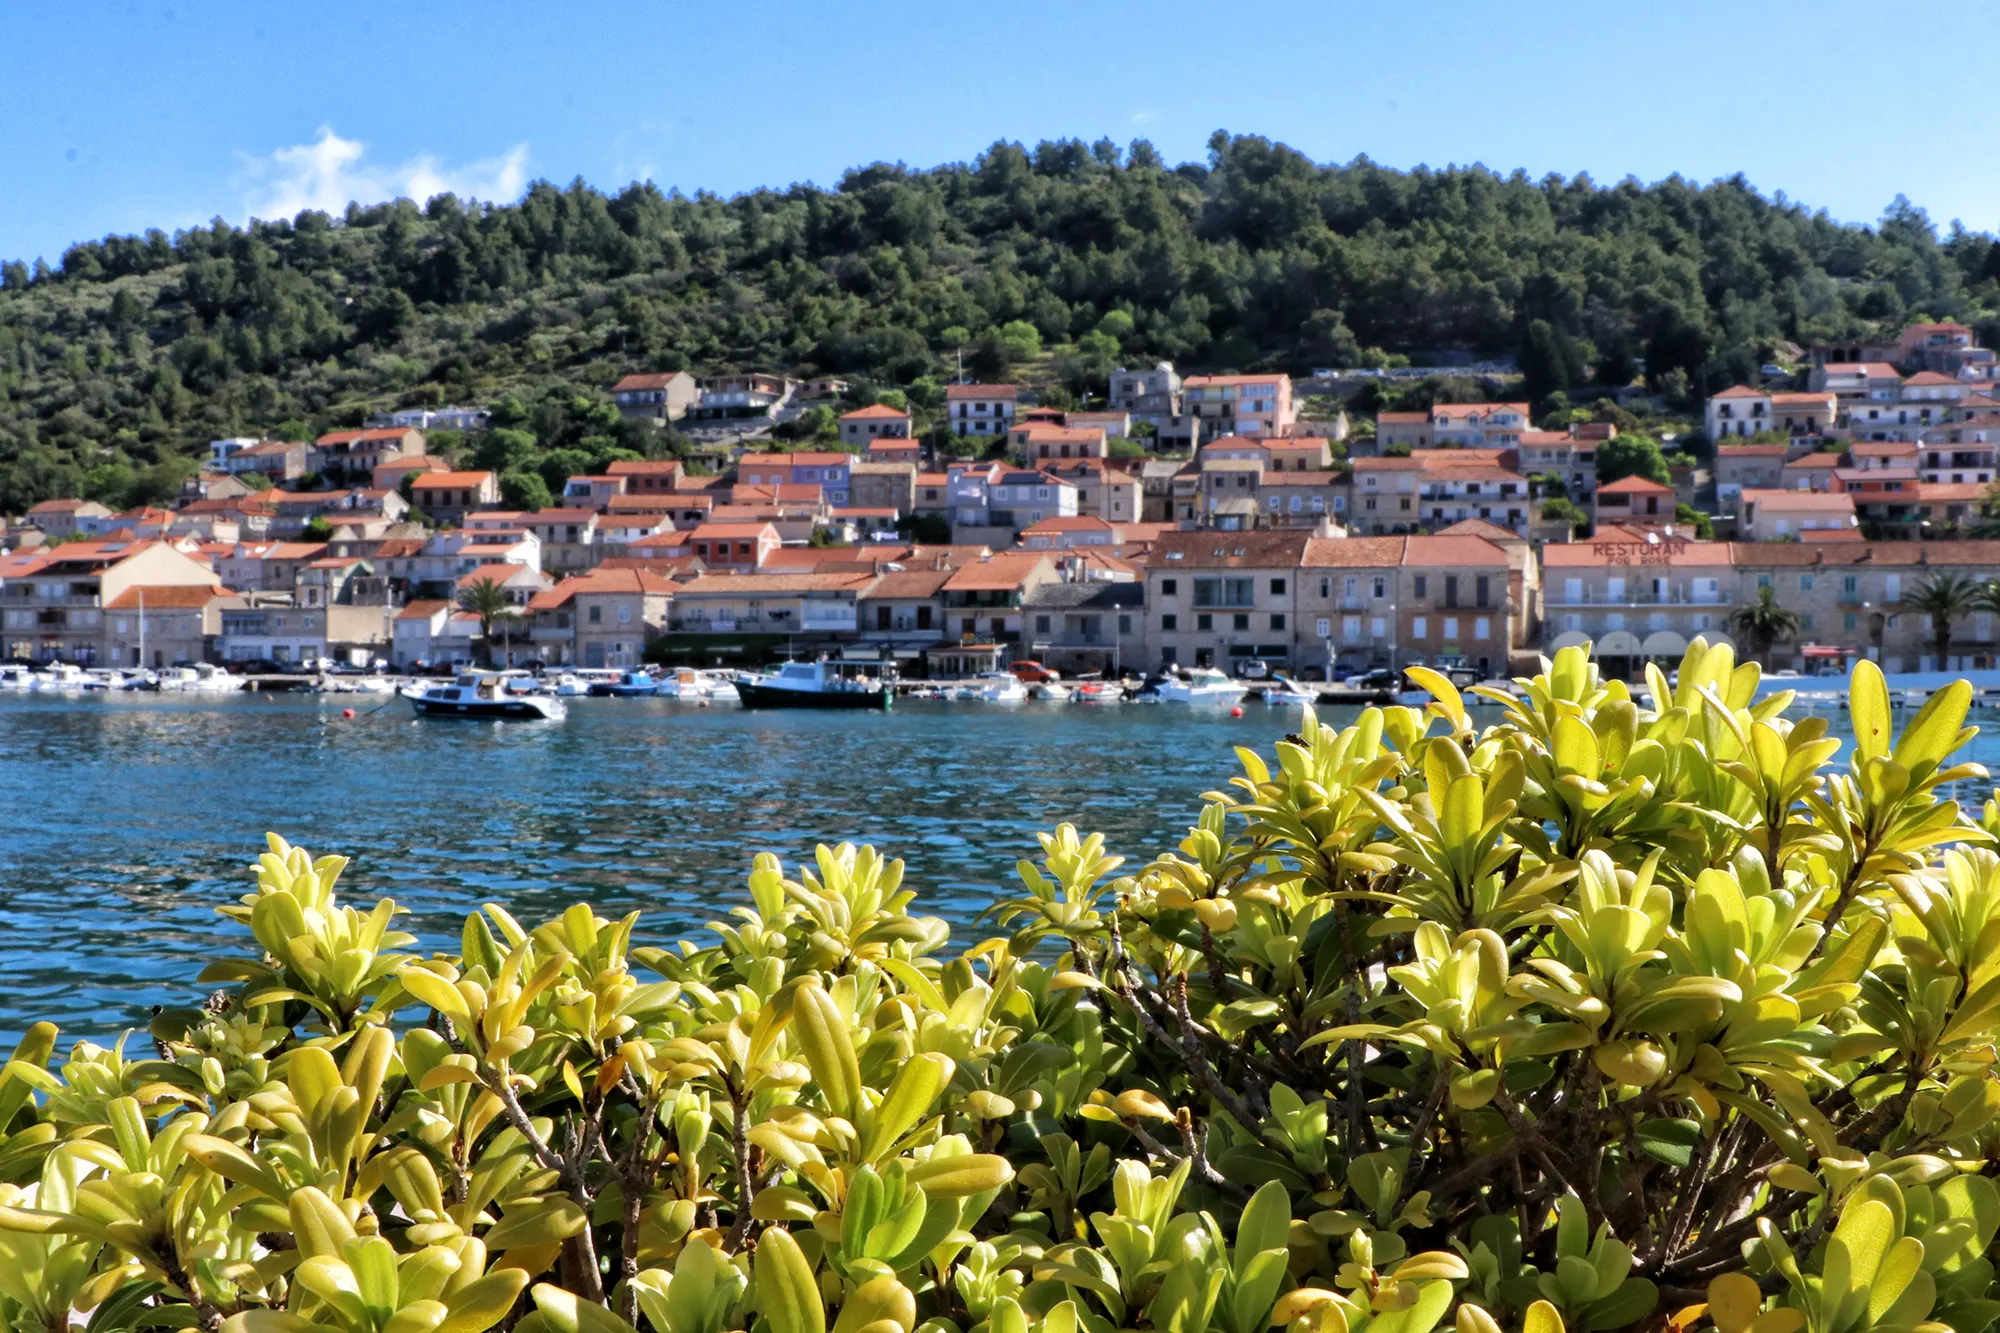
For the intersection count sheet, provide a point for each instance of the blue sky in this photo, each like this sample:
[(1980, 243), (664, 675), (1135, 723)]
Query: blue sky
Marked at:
[(119, 116)]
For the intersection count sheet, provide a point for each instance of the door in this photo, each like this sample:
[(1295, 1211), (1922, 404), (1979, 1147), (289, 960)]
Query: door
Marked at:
[(882, 617), (593, 655)]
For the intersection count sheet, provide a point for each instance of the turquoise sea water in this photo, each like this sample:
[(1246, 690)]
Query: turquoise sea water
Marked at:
[(125, 819)]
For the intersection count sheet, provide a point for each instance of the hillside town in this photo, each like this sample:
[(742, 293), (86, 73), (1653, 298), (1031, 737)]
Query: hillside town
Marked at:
[(1199, 520)]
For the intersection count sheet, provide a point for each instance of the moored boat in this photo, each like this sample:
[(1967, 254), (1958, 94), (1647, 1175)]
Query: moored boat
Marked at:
[(1201, 685), (809, 685), (1100, 692), (483, 695), (634, 684), (998, 687)]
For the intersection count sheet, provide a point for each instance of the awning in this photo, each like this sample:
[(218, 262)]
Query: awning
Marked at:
[(1618, 643), (1569, 639), (1665, 643), (1826, 650)]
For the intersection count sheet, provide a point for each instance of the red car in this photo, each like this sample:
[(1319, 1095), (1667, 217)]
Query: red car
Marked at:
[(1032, 672)]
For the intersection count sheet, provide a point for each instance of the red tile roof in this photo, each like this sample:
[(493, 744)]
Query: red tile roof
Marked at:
[(168, 598)]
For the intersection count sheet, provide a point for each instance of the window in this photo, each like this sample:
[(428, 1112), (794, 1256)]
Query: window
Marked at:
[(1482, 628), (1041, 624), (1763, 580), (1376, 627), (1277, 622), (1423, 582), (1239, 621), (1849, 621), (1169, 621), (624, 615), (1326, 587), (1350, 627), (1419, 626), (1277, 587), (596, 614), (1204, 622), (1381, 586), (1895, 622), (1805, 583), (1169, 587), (1124, 624)]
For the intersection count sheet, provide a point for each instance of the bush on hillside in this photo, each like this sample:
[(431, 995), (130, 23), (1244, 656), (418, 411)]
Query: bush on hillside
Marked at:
[(1620, 1011)]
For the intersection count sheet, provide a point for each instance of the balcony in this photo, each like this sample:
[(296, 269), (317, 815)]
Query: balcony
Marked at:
[(1598, 597)]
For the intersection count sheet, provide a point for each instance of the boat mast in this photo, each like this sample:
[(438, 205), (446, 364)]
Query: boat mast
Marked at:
[(142, 626)]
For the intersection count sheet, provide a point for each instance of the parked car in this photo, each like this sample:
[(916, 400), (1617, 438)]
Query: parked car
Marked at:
[(1381, 678), (1031, 671), (1253, 668)]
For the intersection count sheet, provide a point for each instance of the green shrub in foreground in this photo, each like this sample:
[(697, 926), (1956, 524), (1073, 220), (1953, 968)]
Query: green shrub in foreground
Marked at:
[(1619, 1012)]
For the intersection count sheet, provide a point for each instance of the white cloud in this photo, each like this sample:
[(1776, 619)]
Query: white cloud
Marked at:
[(1144, 117), (332, 172)]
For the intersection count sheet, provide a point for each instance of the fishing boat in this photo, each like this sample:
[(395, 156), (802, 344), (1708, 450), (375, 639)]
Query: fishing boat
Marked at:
[(483, 695), (998, 687), (1201, 685), (1100, 692), (634, 684), (684, 683), (809, 685)]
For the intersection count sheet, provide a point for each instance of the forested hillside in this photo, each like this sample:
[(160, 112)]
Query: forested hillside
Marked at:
[(117, 366)]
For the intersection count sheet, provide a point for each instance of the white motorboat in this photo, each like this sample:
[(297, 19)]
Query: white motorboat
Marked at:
[(483, 695), (374, 685), (16, 678), (1284, 692), (1099, 692), (1201, 685), (998, 687), (61, 676), (721, 686), (1050, 691), (810, 685), (200, 678), (683, 683)]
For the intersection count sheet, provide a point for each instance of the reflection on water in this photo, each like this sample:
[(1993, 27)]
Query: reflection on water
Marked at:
[(123, 821)]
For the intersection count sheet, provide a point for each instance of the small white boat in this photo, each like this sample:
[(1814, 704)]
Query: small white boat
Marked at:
[(721, 686), (1099, 692), (201, 678), (810, 685), (483, 695), (374, 685), (1201, 685), (16, 678), (1284, 692), (1050, 691), (580, 680), (61, 676), (683, 683), (999, 687)]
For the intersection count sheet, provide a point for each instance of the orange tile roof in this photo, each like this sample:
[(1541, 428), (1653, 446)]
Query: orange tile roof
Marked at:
[(875, 412), (439, 480), (1634, 486), (186, 597)]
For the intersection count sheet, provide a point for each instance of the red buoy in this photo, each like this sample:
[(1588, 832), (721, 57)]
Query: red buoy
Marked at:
[(349, 712), (1237, 711)]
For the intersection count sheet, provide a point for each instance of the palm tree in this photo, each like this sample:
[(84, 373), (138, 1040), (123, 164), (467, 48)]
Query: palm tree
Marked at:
[(1764, 623), (1944, 598), (489, 601)]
